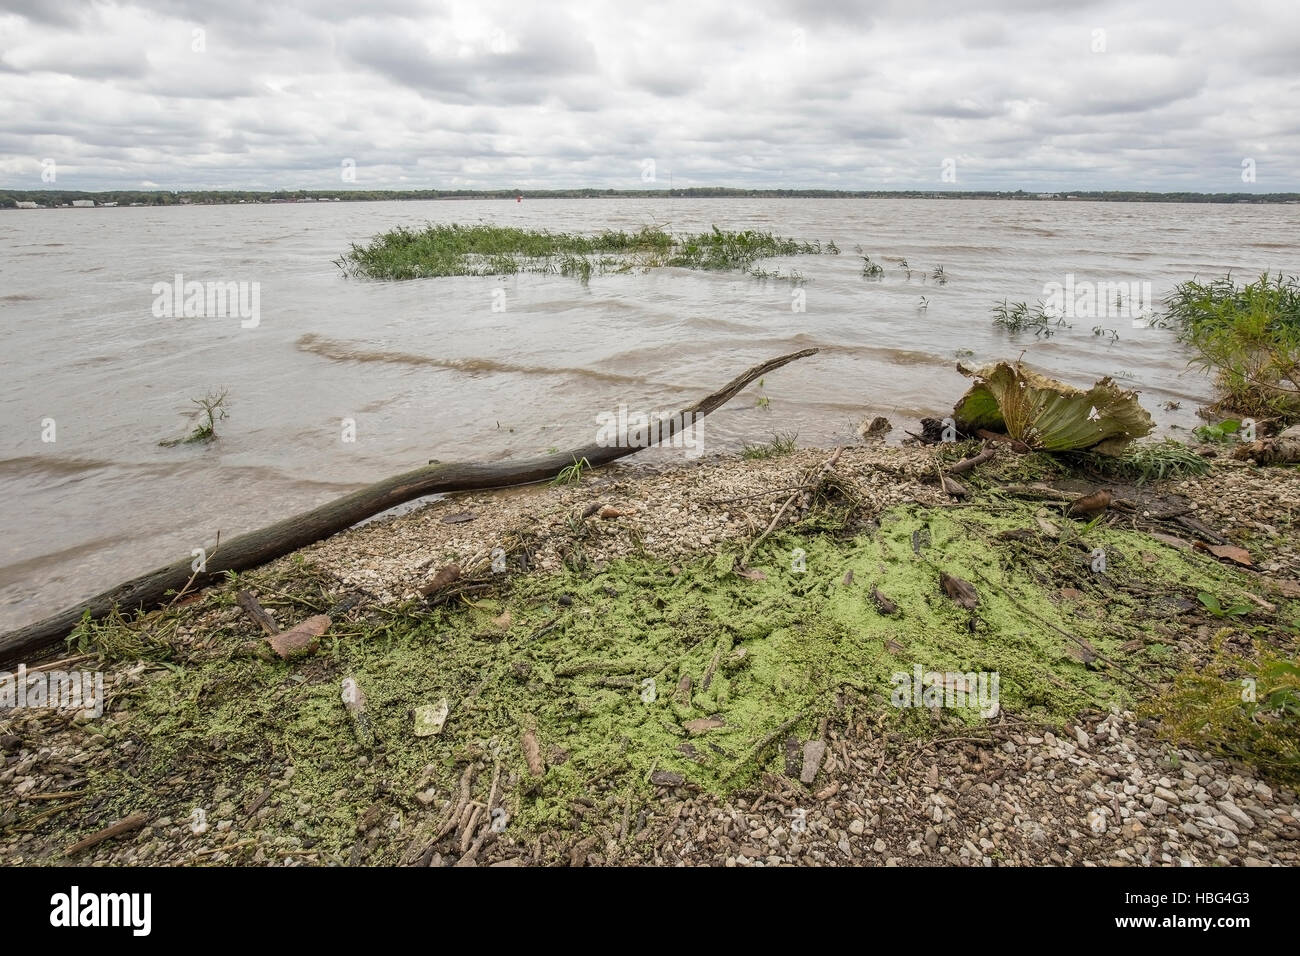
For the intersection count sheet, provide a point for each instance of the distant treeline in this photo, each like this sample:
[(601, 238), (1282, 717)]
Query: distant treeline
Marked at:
[(59, 197)]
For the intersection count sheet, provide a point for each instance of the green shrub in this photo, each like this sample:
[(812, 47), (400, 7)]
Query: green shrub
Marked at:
[(1248, 337)]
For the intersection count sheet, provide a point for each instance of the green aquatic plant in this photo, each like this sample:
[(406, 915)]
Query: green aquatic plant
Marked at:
[(1020, 317), (212, 408), (453, 249), (1248, 336), (1049, 415)]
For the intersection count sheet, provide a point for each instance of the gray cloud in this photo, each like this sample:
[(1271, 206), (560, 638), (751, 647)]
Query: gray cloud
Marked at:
[(1033, 94)]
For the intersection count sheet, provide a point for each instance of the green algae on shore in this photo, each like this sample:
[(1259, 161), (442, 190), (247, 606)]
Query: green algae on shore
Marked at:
[(641, 670)]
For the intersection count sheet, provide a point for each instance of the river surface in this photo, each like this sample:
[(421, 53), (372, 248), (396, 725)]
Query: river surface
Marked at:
[(491, 369)]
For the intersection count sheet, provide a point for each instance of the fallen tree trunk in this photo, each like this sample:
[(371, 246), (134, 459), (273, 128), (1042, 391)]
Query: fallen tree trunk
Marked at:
[(258, 547)]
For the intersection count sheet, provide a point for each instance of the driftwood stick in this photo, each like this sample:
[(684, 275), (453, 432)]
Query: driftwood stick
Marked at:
[(258, 613), (966, 464), (258, 547), (134, 822)]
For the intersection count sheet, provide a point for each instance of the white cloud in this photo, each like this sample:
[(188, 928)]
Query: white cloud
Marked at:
[(802, 93)]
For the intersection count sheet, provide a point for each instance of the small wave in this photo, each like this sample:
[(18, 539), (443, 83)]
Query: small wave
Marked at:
[(345, 352), (52, 559), (19, 297), (49, 465)]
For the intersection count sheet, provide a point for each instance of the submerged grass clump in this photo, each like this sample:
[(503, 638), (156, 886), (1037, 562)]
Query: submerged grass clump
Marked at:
[(1021, 317), (480, 250)]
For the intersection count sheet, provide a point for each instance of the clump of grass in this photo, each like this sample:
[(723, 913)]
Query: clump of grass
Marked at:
[(871, 270), (1019, 317), (782, 444), (1240, 707), (571, 474), (457, 250), (1248, 336), (1152, 461), (212, 407), (115, 638)]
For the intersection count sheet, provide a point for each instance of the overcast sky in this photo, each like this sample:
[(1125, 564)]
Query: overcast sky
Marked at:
[(892, 94)]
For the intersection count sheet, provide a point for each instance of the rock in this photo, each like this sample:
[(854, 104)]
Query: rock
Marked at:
[(430, 718), (879, 846), (876, 427), (856, 827), (1238, 816), (703, 724), (301, 638), (1168, 796), (931, 837), (1159, 807), (1082, 737), (1096, 822), (813, 752)]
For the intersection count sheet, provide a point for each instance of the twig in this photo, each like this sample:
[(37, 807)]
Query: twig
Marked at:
[(226, 848), (454, 817), (763, 744), (250, 604), (134, 822), (1060, 630), (199, 570), (61, 795), (54, 811), (967, 464), (809, 484)]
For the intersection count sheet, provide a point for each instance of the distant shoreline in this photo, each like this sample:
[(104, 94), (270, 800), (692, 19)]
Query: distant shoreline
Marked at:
[(59, 198)]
